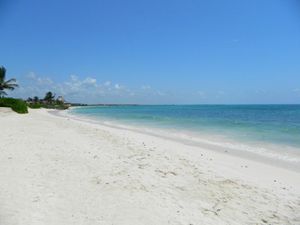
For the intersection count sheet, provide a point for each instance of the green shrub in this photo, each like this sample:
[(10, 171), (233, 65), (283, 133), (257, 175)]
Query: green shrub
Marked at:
[(61, 107), (47, 106), (35, 105), (16, 105)]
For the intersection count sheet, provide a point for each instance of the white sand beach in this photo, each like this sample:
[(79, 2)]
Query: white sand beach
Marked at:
[(60, 171)]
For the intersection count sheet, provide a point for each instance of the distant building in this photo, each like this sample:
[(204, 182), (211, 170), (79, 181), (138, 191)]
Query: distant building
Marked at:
[(60, 99)]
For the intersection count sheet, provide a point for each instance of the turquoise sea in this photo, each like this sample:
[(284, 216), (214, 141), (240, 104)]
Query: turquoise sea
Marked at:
[(268, 123), (275, 124)]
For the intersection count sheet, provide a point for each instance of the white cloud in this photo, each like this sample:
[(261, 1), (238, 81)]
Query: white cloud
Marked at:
[(76, 89), (117, 86), (74, 78), (39, 80), (107, 83), (31, 75), (296, 90), (90, 90), (90, 81), (145, 87), (160, 93)]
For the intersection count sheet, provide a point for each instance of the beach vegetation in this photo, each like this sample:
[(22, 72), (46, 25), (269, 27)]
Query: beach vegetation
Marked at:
[(6, 84), (36, 99), (35, 105), (48, 102), (49, 97), (17, 105), (29, 99)]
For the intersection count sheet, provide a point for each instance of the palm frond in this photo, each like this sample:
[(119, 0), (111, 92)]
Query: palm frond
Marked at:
[(8, 84), (2, 93), (10, 88), (13, 80)]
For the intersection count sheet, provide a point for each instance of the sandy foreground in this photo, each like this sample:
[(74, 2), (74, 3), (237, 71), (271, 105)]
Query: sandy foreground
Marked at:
[(60, 171)]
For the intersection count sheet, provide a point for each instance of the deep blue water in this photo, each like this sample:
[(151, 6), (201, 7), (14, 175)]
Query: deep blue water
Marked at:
[(278, 124)]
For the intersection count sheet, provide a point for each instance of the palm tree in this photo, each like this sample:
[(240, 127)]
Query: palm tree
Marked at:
[(49, 97), (36, 99), (9, 84), (29, 99)]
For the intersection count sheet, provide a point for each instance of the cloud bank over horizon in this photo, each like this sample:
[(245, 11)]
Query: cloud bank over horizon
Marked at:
[(86, 90), (90, 90)]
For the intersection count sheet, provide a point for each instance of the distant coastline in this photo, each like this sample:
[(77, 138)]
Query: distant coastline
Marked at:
[(102, 104)]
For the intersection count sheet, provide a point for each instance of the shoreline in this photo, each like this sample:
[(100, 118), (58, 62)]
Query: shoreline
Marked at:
[(290, 159), (59, 170), (194, 149)]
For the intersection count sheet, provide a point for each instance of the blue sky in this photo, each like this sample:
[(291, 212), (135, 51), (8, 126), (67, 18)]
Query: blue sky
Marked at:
[(138, 51)]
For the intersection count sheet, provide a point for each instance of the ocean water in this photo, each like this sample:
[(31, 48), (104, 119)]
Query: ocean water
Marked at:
[(251, 124)]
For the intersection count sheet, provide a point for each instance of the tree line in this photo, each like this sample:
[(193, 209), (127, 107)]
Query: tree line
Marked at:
[(49, 101)]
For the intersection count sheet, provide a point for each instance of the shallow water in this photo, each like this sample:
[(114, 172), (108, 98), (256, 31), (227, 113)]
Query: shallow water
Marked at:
[(275, 124)]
